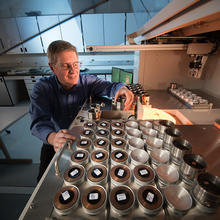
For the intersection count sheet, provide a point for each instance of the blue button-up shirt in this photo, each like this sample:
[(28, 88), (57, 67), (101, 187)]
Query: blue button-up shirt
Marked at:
[(52, 108)]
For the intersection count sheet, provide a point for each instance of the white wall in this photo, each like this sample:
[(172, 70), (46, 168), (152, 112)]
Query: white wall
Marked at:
[(212, 75), (159, 68)]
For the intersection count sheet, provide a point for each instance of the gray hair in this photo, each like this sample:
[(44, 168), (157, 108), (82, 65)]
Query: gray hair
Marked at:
[(56, 47)]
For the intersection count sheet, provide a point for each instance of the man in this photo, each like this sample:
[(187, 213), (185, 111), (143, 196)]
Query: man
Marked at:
[(56, 100)]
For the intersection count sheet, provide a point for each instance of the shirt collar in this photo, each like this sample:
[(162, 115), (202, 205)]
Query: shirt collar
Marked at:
[(61, 89)]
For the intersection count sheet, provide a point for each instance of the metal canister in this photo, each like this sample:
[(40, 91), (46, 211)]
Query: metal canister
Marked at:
[(207, 192), (143, 175), (178, 199), (94, 200), (153, 143), (167, 174), (101, 143), (122, 200), (103, 125), (66, 200), (131, 124), (119, 157), (145, 124), (118, 143), (80, 157), (74, 175), (102, 133), (117, 125), (99, 157), (97, 175), (85, 144), (87, 133), (90, 125), (93, 114), (135, 143), (159, 156), (139, 156), (161, 126), (191, 166), (133, 132), (170, 134), (150, 199), (120, 175), (179, 147), (149, 132), (118, 133)]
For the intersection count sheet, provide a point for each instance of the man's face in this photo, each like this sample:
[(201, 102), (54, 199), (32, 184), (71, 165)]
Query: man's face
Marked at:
[(66, 68)]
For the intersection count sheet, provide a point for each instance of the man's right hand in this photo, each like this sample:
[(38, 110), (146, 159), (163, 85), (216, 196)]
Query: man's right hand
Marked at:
[(58, 139)]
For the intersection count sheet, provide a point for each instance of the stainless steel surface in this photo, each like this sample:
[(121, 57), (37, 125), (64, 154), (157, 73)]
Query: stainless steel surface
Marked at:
[(208, 136), (207, 191), (178, 199), (56, 164), (179, 147)]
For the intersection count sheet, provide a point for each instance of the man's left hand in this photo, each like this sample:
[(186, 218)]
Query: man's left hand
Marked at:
[(124, 91)]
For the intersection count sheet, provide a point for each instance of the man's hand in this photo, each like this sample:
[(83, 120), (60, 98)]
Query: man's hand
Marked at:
[(124, 91), (58, 139)]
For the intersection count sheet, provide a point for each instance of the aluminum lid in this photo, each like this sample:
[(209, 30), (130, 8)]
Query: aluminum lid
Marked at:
[(178, 198), (168, 174), (160, 155)]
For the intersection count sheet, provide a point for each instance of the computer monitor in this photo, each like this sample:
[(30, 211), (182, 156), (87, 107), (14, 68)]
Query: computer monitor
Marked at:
[(125, 77), (120, 75), (115, 74)]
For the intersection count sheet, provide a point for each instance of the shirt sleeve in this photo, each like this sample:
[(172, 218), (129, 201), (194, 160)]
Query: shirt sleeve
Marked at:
[(100, 87), (40, 112)]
